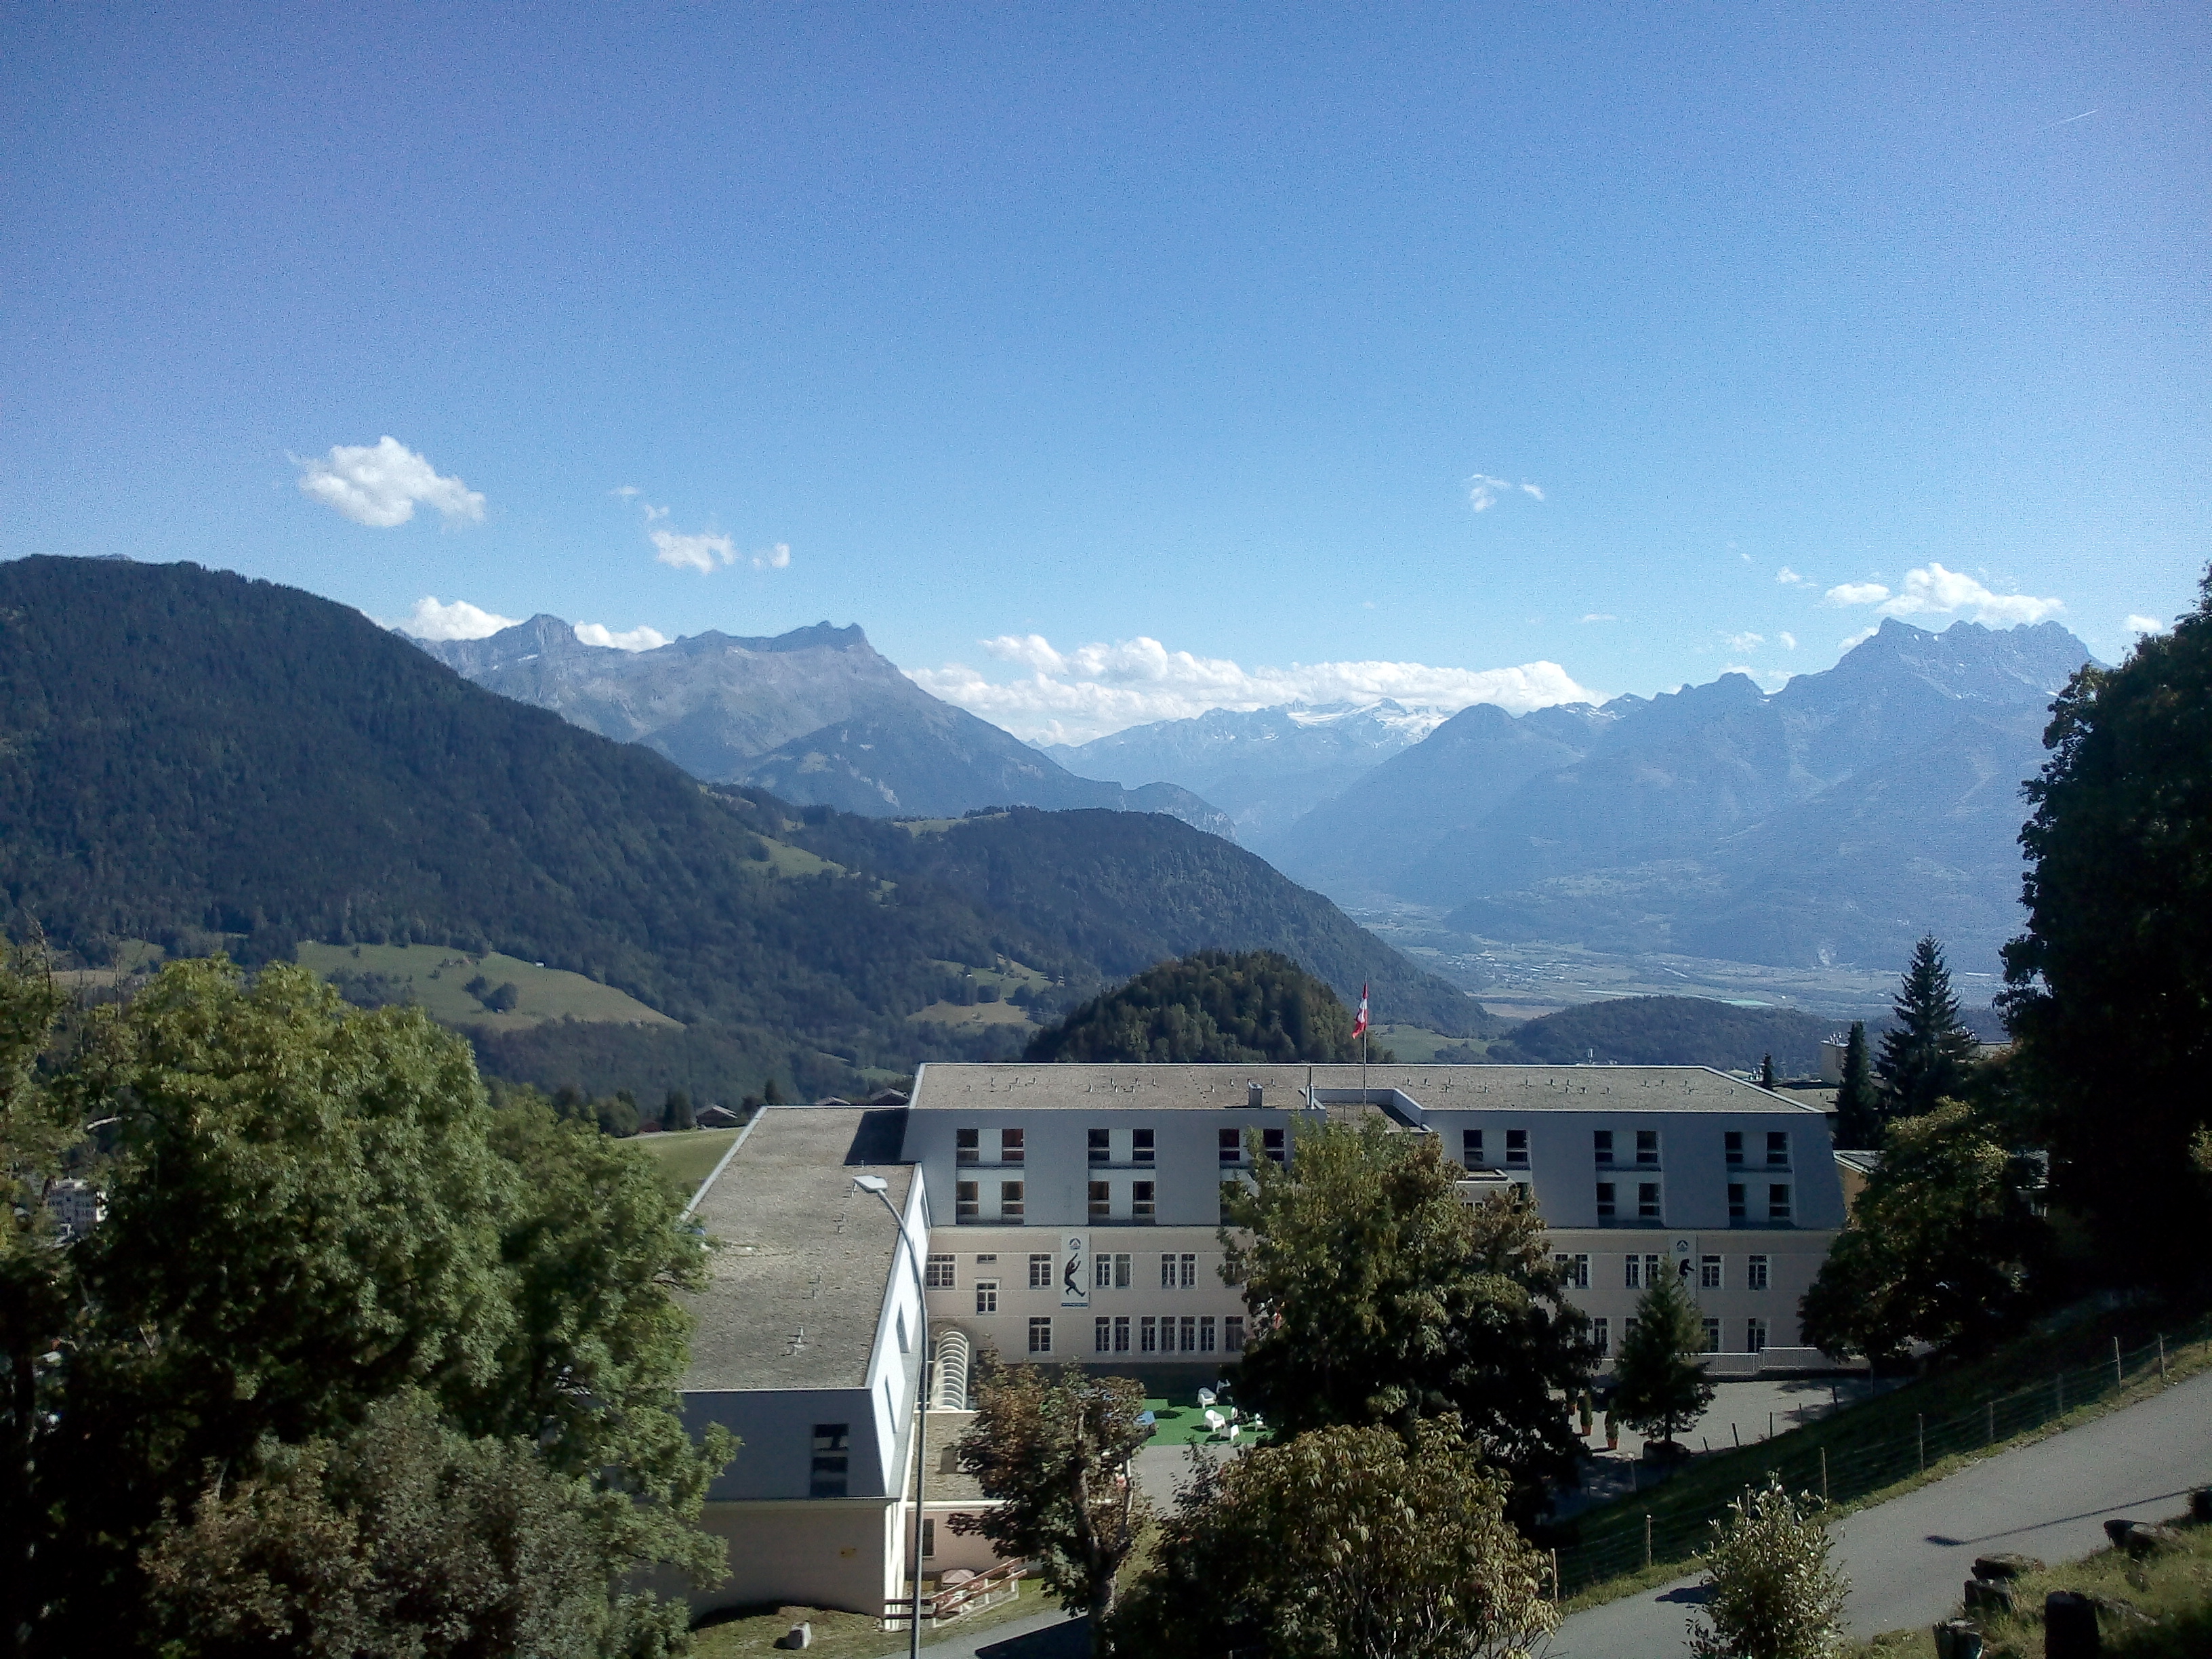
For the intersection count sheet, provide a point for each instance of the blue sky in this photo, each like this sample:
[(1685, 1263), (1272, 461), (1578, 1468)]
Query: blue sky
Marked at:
[(1194, 335)]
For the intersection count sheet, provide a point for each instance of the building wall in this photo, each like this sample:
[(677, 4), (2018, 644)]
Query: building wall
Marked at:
[(776, 1427), (823, 1552)]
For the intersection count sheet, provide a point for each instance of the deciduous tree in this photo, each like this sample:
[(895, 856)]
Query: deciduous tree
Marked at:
[(1774, 1594)]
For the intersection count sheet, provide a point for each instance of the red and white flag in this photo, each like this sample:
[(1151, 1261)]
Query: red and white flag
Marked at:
[(1359, 1025)]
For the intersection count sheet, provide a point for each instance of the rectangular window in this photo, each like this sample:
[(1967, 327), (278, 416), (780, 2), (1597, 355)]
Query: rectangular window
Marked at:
[(967, 1146), (1627, 1328), (1140, 1145), (1141, 1207), (986, 1295), (1167, 1273), (1712, 1335), (1517, 1149), (1735, 1200), (1148, 1334), (1190, 1333), (1777, 1202), (1232, 1334), (1120, 1333), (1577, 1268), (1602, 1144), (1606, 1208), (1189, 1265), (1647, 1200), (938, 1275), (1754, 1336), (1709, 1272), (1121, 1276), (1732, 1140), (1602, 1336), (1102, 1334), (1102, 1206), (1232, 1146), (832, 1453), (928, 1538), (1010, 1146), (1040, 1273), (1041, 1335), (1102, 1146), (986, 1260), (1102, 1272), (1778, 1146), (967, 1203), (1010, 1200), (1271, 1142), (1633, 1277), (1647, 1147), (1754, 1273), (1470, 1148), (1205, 1334)]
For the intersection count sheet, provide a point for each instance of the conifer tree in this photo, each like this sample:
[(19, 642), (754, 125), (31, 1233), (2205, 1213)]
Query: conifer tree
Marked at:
[(1858, 1110), (1659, 1386), (1927, 1056), (1767, 1072)]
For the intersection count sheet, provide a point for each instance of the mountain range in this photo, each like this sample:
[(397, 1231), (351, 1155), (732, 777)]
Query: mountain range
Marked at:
[(817, 715)]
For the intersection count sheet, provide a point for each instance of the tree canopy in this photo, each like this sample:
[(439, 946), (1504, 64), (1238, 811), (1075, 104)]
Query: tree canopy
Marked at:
[(2109, 988), (1210, 1007), (1659, 1384), (1928, 1053), (1858, 1108)]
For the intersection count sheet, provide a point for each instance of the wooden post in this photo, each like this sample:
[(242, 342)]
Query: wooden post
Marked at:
[(1555, 1578), (1769, 1425), (1824, 1474), (1920, 1431), (2119, 1376), (2162, 1356), (1647, 1538)]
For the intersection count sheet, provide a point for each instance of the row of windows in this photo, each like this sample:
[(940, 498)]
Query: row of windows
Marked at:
[(1649, 1205), (1602, 1148), (1153, 1333), (1643, 1272), (1142, 1148), (1178, 1271), (1755, 1332)]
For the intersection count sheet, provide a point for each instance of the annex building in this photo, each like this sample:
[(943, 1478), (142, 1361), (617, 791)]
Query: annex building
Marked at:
[(1069, 1214)]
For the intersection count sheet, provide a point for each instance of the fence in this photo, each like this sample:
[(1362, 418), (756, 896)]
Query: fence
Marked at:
[(1628, 1538)]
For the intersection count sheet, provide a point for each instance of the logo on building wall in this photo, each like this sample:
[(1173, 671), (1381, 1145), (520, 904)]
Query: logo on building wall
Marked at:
[(1075, 1270)]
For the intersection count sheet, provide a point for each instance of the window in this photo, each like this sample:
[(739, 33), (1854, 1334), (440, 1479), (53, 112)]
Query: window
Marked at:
[(928, 1537), (1778, 1146), (1120, 1333), (1754, 1273), (1010, 1146), (1141, 1207), (967, 1205), (1709, 1272), (1102, 1146), (967, 1146), (1271, 1142), (1578, 1269), (1190, 1333), (1754, 1336), (1647, 1200), (1712, 1335), (986, 1260), (1777, 1202), (1735, 1200), (1627, 1328), (1643, 1273), (1140, 1145), (1041, 1335), (1232, 1146), (938, 1276), (1607, 1209), (1167, 1273), (1232, 1334), (986, 1295), (1121, 1264), (1647, 1147), (1148, 1334), (1732, 1142), (1102, 1334), (1102, 1272), (1010, 1200), (1602, 1335), (1633, 1279), (1602, 1144), (1470, 1148), (1517, 1149), (1040, 1273), (832, 1455), (1205, 1334), (1189, 1265), (1102, 1208)]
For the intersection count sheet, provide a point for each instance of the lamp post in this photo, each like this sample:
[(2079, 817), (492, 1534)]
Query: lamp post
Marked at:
[(881, 1190)]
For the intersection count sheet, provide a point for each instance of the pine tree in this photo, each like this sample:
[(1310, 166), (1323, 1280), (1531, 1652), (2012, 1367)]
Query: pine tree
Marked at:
[(1659, 1385), (1858, 1108), (676, 1112), (1767, 1072), (1928, 1053)]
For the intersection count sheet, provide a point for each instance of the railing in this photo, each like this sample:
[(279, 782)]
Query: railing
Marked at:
[(1001, 1584), (1625, 1539)]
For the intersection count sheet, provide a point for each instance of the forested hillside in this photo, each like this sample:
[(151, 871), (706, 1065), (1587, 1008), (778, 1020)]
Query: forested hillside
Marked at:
[(1670, 1031), (197, 759), (1211, 1008)]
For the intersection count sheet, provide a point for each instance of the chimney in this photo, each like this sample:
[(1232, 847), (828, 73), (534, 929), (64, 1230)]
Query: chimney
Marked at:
[(1252, 1096)]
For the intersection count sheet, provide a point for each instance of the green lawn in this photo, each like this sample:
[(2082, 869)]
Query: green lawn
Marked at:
[(1416, 1045), (752, 1635), (687, 1157), (439, 978)]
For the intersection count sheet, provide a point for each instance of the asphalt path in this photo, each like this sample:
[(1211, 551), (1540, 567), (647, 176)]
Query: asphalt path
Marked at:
[(1907, 1560)]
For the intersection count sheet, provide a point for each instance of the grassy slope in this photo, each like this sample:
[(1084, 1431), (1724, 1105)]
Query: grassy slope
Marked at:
[(688, 1157), (439, 977)]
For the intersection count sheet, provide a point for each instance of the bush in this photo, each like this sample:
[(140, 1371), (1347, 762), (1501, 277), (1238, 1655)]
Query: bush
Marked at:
[(1774, 1595)]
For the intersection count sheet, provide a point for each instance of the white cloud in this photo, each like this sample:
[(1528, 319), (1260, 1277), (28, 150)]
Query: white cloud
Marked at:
[(1857, 638), (1789, 641), (460, 620), (772, 558), (1933, 590), (1483, 491), (1532, 490), (702, 552), (1790, 578), (625, 491), (636, 638), (1070, 696), (2145, 625), (1744, 641), (379, 484), (1600, 615)]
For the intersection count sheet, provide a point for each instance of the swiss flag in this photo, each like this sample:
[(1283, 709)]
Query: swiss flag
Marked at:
[(1359, 1025)]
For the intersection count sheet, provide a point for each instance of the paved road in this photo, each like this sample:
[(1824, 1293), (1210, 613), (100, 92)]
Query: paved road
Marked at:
[(1907, 1559)]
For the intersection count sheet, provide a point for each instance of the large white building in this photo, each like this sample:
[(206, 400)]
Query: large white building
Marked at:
[(1070, 1215)]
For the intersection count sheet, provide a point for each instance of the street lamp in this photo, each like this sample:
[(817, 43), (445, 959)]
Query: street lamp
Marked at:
[(881, 1190)]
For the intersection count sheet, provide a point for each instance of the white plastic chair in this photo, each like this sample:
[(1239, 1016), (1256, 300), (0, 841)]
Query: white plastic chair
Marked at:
[(1206, 1397), (1214, 1421), (1233, 1430)]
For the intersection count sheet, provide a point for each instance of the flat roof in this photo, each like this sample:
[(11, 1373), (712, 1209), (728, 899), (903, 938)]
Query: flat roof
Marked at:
[(1025, 1086), (794, 1294)]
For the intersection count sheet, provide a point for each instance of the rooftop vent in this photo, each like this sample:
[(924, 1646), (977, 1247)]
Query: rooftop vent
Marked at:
[(1252, 1096)]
